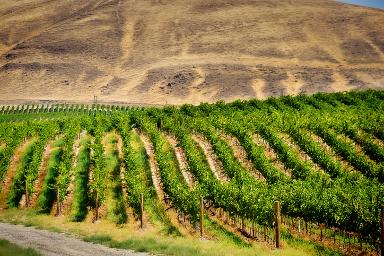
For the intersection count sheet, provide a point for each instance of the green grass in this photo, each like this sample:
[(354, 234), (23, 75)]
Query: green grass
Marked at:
[(48, 193), (149, 245), (222, 234), (116, 211), (307, 245), (156, 242), (7, 248), (18, 183), (139, 178), (80, 196), (186, 246)]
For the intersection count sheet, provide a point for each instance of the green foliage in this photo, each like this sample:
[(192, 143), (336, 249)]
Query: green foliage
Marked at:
[(80, 195), (336, 197), (48, 193), (18, 184), (7, 248), (117, 211)]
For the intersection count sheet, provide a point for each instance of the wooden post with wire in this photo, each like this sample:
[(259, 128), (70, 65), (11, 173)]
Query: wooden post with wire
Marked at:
[(201, 216), (141, 210), (277, 224), (382, 230)]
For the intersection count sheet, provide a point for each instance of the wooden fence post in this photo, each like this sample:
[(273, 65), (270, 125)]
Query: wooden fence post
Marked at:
[(277, 224), (382, 230), (141, 210), (26, 194), (97, 208), (201, 216)]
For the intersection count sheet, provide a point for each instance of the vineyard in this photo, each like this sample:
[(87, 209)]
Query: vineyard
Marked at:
[(321, 157)]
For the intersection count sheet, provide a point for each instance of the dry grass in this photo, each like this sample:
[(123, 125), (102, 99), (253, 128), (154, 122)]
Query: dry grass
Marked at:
[(153, 240), (163, 51)]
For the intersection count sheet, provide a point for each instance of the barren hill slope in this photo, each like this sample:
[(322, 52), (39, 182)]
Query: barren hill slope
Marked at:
[(178, 51)]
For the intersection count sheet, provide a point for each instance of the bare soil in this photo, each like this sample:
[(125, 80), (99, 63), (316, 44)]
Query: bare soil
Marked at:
[(270, 154), (242, 156), (176, 219), (67, 203), (174, 52), (182, 160), (330, 152), (11, 172), (303, 156), (41, 175), (214, 163)]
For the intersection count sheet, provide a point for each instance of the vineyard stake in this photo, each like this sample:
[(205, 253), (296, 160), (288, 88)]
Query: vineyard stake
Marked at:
[(382, 230), (26, 194), (141, 210), (299, 226), (201, 216), (265, 233), (97, 207), (58, 212), (277, 224)]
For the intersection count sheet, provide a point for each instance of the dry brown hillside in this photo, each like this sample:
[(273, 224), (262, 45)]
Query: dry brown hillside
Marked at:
[(177, 51)]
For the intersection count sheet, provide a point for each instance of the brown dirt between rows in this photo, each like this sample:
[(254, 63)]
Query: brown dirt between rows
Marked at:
[(185, 229), (211, 213), (41, 175), (67, 203), (182, 160), (240, 153), (300, 153), (11, 172), (214, 163), (270, 154), (346, 165)]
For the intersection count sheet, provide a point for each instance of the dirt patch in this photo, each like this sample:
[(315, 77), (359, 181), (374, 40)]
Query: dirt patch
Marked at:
[(42, 172), (112, 86), (173, 82), (213, 161), (359, 51), (303, 156), (316, 79), (67, 203), (12, 169), (378, 39), (182, 160), (242, 156), (330, 152), (174, 217), (47, 243), (271, 154), (316, 53)]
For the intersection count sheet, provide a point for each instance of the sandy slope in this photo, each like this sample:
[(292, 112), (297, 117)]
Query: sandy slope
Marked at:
[(177, 51), (55, 244)]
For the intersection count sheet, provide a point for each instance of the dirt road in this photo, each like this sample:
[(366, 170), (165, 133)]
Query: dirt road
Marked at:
[(52, 244)]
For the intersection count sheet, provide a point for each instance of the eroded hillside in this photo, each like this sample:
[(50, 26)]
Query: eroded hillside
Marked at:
[(163, 51)]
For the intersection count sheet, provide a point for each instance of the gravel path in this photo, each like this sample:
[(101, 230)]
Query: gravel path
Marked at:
[(54, 244)]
